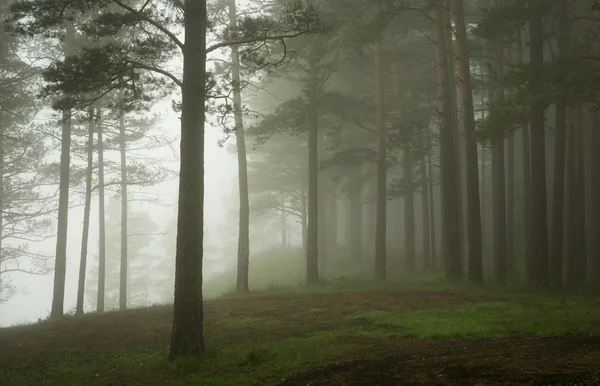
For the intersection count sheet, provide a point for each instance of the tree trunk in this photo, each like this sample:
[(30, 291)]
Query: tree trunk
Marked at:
[(499, 187), (452, 89), (332, 232), (243, 262), (594, 210), (312, 252), (304, 219), (473, 205), (187, 337), (526, 170), (580, 208), (284, 235), (323, 215), (539, 219), (556, 250), (451, 232), (124, 204), (430, 179), (409, 205), (570, 211), (355, 203), (381, 218), (86, 215), (424, 206), (60, 265), (510, 198), (101, 219)]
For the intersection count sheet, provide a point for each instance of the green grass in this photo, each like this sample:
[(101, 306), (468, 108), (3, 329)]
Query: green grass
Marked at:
[(543, 317), (515, 312)]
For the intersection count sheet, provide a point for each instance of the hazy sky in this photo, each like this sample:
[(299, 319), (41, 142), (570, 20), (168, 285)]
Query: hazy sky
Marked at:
[(35, 292)]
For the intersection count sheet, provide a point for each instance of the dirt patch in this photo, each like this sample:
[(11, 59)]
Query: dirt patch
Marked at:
[(568, 360)]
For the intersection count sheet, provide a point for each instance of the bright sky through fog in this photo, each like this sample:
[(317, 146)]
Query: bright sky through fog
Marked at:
[(34, 296)]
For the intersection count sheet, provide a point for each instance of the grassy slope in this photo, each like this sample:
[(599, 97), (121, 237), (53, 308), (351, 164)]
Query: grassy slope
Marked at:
[(266, 337)]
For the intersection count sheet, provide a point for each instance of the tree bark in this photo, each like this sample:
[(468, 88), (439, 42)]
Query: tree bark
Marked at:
[(473, 204), (425, 216), (556, 249), (526, 170), (187, 337), (499, 187), (101, 220), (381, 195), (570, 210), (451, 232), (430, 179), (355, 203), (243, 263), (86, 215), (409, 205), (124, 204), (60, 265), (312, 250), (510, 197), (539, 219), (594, 212)]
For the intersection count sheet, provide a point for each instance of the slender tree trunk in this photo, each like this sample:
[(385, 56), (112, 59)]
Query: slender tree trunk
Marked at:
[(333, 218), (381, 218), (499, 187), (86, 215), (243, 262), (526, 170), (355, 203), (556, 249), (539, 219), (580, 207), (188, 311), (424, 205), (2, 193), (101, 219), (409, 205), (452, 89), (594, 210), (570, 210), (304, 219), (124, 215), (60, 265), (430, 179), (473, 205), (451, 231), (284, 235), (312, 258), (323, 215), (510, 198)]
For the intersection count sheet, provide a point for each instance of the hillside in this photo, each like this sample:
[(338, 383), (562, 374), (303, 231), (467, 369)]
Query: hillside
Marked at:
[(378, 337)]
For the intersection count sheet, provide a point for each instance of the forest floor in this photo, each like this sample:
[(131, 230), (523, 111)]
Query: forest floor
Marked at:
[(377, 336)]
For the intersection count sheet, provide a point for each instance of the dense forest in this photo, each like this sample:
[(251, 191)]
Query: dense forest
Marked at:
[(375, 139)]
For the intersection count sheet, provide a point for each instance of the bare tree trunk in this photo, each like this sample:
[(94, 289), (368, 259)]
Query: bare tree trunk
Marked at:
[(243, 262), (312, 252), (355, 203), (188, 309), (594, 210), (539, 219), (409, 205), (425, 205), (473, 205), (526, 165), (499, 188), (381, 218), (101, 219), (580, 208), (332, 232), (451, 231), (284, 235), (510, 198), (323, 213), (556, 250), (86, 215), (124, 204), (452, 89), (60, 265), (304, 219), (571, 209), (430, 179)]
